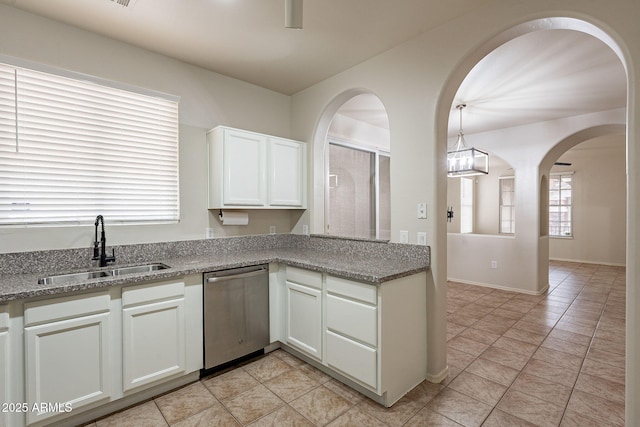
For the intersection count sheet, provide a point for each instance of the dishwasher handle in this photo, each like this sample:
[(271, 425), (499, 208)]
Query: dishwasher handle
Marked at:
[(236, 276)]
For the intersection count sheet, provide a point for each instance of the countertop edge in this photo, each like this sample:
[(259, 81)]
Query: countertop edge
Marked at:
[(189, 265)]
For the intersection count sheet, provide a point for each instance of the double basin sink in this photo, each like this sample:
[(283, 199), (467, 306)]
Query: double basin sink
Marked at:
[(88, 275)]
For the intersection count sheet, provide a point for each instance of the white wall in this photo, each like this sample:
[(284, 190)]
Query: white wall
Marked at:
[(599, 203), (206, 100), (521, 258), (487, 198)]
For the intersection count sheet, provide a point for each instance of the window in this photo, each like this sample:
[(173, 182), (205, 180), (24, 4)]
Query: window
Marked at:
[(466, 205), (507, 205), (560, 209), (72, 149)]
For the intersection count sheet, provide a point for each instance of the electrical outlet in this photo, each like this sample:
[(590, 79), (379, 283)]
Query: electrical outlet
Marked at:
[(272, 229), (404, 236), (305, 229), (208, 233), (422, 210), (494, 264), (422, 238)]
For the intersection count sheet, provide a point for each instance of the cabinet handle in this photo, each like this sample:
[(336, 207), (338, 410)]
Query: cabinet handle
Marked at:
[(236, 276)]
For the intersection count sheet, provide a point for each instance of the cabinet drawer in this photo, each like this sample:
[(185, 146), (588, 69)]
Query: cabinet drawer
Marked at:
[(353, 359), (65, 308), (304, 277), (349, 288), (151, 292), (353, 319)]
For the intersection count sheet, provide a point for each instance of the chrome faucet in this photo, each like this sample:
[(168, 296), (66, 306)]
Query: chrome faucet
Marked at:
[(100, 253)]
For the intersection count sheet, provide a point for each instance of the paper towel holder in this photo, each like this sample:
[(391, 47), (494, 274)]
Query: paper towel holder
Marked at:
[(233, 218)]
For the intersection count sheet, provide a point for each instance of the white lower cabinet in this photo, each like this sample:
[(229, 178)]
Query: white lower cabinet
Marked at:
[(108, 347), (67, 354), (5, 367), (371, 336), (153, 333), (303, 320)]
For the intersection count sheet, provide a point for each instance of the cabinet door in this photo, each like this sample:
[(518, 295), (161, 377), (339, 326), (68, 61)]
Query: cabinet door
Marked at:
[(4, 374), (67, 361), (304, 319), (287, 172), (153, 342), (244, 160)]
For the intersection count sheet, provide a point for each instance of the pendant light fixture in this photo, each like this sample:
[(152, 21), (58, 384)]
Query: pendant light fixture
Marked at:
[(465, 161), (293, 14)]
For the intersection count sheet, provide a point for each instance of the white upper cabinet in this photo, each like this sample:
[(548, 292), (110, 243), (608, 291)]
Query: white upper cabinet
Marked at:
[(287, 183), (250, 170)]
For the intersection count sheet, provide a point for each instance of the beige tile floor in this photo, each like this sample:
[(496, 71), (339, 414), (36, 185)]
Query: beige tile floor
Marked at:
[(514, 359)]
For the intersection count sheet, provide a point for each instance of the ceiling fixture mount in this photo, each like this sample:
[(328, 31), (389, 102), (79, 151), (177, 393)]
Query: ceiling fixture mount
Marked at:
[(465, 161), (293, 14)]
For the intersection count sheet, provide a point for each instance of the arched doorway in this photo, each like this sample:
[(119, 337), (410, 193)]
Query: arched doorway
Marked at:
[(540, 182), (526, 96)]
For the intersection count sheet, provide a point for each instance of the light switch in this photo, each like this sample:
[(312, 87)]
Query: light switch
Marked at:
[(422, 210), (422, 238)]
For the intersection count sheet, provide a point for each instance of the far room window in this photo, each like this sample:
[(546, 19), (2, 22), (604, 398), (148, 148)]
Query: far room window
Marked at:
[(507, 205), (466, 205), (73, 147), (560, 205)]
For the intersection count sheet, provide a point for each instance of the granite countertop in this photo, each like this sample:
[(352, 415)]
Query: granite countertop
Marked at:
[(356, 264)]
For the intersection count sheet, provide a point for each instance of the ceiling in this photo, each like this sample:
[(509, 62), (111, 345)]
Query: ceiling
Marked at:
[(247, 40), (538, 76)]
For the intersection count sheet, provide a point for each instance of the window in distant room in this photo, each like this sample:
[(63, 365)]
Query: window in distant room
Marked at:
[(560, 205), (507, 205), (73, 147), (466, 205)]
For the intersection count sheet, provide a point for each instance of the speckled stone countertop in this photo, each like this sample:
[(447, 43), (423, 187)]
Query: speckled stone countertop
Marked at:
[(373, 262)]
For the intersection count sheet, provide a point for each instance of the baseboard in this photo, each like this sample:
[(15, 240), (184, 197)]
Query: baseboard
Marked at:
[(499, 287), (438, 378), (578, 261), (125, 402)]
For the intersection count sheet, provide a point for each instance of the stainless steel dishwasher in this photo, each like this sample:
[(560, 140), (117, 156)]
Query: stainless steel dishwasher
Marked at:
[(236, 313)]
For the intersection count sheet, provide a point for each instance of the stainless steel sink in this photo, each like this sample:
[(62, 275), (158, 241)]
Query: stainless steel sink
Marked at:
[(73, 277), (88, 275), (136, 269)]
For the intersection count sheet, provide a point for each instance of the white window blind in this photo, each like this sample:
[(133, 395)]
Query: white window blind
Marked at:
[(72, 149)]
